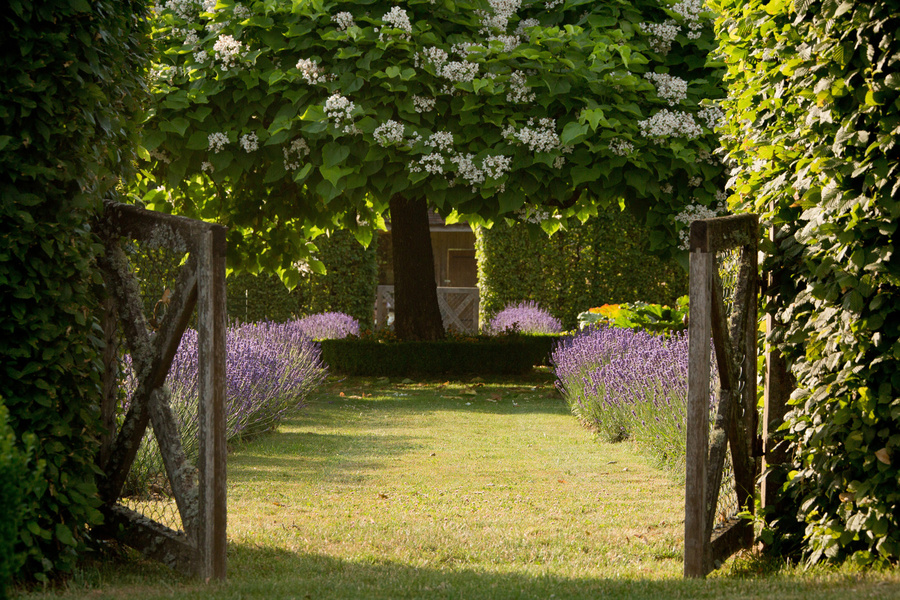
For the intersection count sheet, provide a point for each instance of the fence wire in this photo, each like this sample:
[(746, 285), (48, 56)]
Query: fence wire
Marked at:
[(728, 267), (147, 490)]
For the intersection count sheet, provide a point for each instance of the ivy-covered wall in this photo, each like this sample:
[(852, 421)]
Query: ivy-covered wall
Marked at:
[(70, 73), (603, 261), (813, 122), (348, 286)]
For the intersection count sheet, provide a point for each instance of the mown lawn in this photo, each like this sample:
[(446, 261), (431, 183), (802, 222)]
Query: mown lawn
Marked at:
[(389, 489)]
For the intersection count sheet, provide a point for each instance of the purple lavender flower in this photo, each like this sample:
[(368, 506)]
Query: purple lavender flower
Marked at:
[(629, 384), (329, 326), (525, 317), (270, 369)]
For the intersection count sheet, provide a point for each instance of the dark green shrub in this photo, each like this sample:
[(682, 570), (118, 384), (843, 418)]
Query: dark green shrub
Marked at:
[(813, 128), (15, 480), (481, 355), (348, 286), (70, 72), (604, 261)]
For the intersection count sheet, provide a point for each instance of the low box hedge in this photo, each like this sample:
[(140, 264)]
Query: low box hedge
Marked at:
[(481, 355)]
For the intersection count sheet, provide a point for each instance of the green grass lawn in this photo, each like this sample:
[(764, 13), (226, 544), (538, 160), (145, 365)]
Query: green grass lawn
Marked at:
[(453, 490)]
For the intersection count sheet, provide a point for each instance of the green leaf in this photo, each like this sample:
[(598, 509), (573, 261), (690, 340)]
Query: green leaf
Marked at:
[(334, 154)]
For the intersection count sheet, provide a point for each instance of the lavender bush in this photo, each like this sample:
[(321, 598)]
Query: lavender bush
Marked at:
[(526, 317), (629, 384), (270, 369), (329, 326)]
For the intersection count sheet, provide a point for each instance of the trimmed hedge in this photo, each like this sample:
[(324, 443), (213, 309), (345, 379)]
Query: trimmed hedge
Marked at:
[(482, 355), (348, 286), (603, 261), (71, 74), (813, 119)]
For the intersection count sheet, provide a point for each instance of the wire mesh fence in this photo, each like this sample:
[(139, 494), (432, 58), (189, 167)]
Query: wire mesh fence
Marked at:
[(156, 267)]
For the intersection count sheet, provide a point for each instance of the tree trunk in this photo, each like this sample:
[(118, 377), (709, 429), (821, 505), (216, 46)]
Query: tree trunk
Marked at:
[(416, 312)]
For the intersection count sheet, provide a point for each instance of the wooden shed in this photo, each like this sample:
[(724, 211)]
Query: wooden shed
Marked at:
[(455, 271)]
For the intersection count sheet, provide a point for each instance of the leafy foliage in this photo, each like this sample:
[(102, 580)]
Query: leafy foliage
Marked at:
[(605, 260), (655, 318), (16, 477), (71, 87), (348, 286), (285, 119), (812, 128)]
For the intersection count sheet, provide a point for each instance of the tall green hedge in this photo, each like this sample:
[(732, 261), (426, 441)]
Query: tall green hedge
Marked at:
[(603, 261), (70, 78), (813, 126), (348, 286)]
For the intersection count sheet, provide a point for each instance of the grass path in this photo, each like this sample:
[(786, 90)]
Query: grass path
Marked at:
[(469, 491)]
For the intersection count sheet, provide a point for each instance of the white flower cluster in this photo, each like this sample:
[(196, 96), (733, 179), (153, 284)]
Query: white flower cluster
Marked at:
[(539, 138), (398, 19), (695, 181), (201, 56), (389, 132), (186, 9), (229, 51), (250, 142), (209, 6), (190, 38), (339, 109), (705, 156), (217, 141), (442, 140), (525, 24), (532, 214), (663, 35), (309, 69), (294, 153), (552, 3), (510, 42), (518, 90), (691, 213), (691, 10), (498, 16), (160, 156), (456, 70), (241, 11), (712, 116), (721, 196), (668, 87), (496, 166), (423, 104), (464, 49), (620, 147), (344, 20), (430, 163), (434, 55), (668, 123), (207, 167)]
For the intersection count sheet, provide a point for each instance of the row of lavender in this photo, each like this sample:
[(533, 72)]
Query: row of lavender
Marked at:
[(271, 368), (629, 384)]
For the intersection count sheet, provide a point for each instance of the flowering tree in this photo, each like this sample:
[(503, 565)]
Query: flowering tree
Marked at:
[(285, 119)]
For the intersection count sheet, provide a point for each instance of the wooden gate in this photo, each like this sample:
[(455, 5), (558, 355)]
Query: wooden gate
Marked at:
[(197, 491), (728, 316)]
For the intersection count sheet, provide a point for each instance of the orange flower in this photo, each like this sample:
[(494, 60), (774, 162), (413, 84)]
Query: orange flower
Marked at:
[(610, 311)]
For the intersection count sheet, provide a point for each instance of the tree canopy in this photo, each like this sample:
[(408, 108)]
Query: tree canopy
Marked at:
[(284, 119)]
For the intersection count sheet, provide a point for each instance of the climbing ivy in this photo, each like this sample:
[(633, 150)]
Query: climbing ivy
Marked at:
[(813, 120), (70, 78)]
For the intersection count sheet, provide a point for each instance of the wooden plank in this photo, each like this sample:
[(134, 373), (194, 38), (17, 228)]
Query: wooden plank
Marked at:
[(181, 473), (695, 539), (211, 324), (140, 224), (156, 541), (727, 540), (109, 399), (724, 233)]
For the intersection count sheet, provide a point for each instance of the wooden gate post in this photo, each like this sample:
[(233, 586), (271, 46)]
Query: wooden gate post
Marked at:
[(700, 332), (211, 323)]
